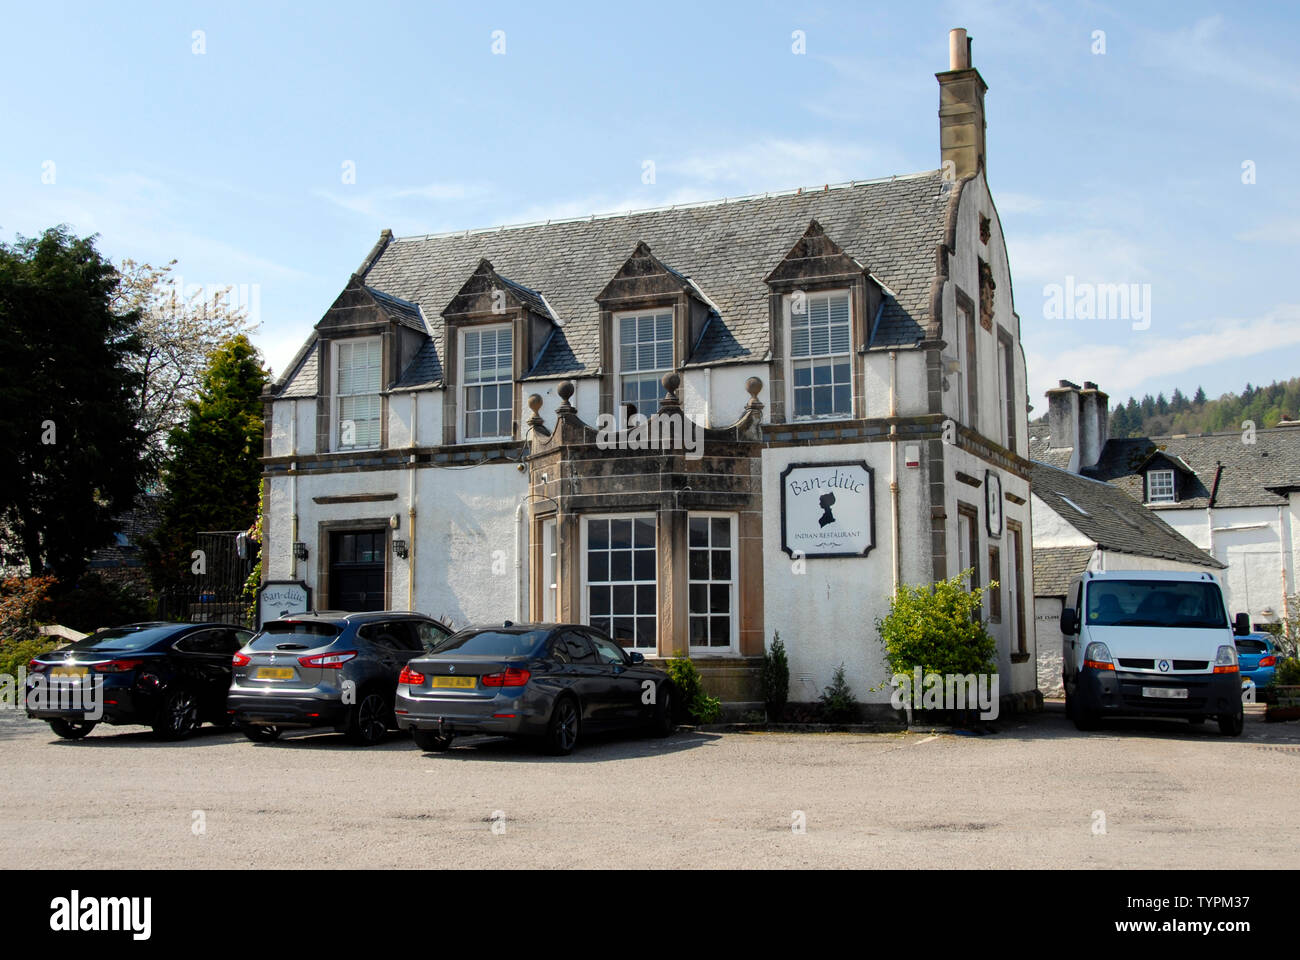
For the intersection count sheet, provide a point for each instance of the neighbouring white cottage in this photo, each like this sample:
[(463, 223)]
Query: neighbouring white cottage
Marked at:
[(1234, 495), (1084, 524), (473, 429)]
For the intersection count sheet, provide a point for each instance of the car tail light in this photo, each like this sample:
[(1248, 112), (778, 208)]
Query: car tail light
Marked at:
[(117, 666), (35, 666), (240, 660), (328, 661), (1226, 661), (1268, 662), (512, 677), (410, 676), (1098, 657)]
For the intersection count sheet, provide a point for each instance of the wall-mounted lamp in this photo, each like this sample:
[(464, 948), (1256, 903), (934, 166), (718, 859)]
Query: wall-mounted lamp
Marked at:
[(394, 521), (299, 550), (399, 548)]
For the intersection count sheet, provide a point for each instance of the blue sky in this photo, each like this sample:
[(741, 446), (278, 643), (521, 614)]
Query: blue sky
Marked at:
[(1115, 167)]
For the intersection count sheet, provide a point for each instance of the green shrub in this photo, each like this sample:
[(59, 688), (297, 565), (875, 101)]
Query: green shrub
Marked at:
[(1288, 672), (838, 705), (692, 702), (936, 627), (776, 678), (16, 655)]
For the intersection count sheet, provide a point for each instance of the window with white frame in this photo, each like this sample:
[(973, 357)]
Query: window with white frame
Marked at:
[(821, 371), (358, 405), (620, 574), (487, 378), (1160, 486), (711, 581), (644, 349)]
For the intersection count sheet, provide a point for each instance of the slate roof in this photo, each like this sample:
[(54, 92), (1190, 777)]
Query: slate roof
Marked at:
[(890, 226), (1055, 567), (425, 369), (301, 378), (403, 311), (1110, 518), (1232, 473)]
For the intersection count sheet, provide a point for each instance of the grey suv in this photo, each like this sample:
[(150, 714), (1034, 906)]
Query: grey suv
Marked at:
[(327, 670)]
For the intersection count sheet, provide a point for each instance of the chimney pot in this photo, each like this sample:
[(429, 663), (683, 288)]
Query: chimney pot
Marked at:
[(958, 49)]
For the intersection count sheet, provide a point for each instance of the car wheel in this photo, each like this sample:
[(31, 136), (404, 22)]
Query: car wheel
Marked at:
[(664, 723), (430, 741), (562, 732), (178, 716), (260, 734), (72, 729), (1231, 724), (368, 719)]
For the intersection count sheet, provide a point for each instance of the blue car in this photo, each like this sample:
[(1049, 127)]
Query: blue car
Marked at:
[(1256, 658)]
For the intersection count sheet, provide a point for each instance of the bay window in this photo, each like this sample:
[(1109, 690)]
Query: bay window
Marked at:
[(620, 573)]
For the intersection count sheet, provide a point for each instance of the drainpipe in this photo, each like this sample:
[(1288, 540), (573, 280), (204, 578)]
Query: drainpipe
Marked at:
[(893, 465), (293, 489), (410, 501), (1281, 556), (519, 561)]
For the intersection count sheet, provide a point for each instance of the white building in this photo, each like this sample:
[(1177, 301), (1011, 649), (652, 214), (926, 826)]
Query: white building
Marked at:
[(1084, 524), (851, 353), (1236, 496)]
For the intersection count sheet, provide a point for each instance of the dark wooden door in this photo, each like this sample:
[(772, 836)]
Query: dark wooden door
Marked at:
[(357, 570)]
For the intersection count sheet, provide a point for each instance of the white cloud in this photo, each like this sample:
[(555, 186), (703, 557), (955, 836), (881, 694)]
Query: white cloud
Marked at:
[(1122, 368), (1279, 231), (1203, 48)]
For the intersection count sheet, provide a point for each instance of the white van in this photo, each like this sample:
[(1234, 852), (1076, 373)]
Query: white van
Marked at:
[(1151, 643)]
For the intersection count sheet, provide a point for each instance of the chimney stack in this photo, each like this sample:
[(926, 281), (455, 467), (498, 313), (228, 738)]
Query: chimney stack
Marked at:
[(961, 109), (1078, 418)]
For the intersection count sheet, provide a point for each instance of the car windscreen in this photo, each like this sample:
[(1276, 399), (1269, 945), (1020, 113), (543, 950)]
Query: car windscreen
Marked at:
[(304, 634), (1155, 603), (492, 643), (1248, 645), (124, 639)]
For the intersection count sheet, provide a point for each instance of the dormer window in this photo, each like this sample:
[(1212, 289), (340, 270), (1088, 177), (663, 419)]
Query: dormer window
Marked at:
[(487, 379), (821, 369), (1160, 486), (643, 350), (357, 401)]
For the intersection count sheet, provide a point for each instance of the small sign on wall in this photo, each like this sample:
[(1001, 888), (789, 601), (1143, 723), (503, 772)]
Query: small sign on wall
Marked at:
[(993, 503), (828, 509), (280, 598)]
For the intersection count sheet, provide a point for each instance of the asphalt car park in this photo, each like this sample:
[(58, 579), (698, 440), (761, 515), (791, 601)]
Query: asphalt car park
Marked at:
[(1035, 793)]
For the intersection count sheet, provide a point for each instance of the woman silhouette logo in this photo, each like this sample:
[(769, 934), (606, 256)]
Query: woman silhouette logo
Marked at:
[(825, 503)]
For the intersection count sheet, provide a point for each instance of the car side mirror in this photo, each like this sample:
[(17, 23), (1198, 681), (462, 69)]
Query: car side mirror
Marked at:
[(635, 657), (1241, 625), (1069, 622)]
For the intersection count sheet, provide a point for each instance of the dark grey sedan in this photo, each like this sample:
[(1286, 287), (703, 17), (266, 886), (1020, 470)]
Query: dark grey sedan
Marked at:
[(547, 681)]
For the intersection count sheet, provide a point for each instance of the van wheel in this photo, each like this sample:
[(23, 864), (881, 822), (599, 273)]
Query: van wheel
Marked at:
[(1231, 724)]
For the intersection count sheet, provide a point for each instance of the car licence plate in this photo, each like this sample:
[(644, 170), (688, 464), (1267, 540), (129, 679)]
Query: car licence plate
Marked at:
[(68, 673), (275, 673), (1165, 693), (460, 683)]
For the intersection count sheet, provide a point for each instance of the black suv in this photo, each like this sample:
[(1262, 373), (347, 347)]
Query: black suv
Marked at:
[(335, 670), (170, 676)]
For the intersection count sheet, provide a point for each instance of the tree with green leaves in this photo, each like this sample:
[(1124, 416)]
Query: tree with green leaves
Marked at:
[(67, 403), (212, 472)]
